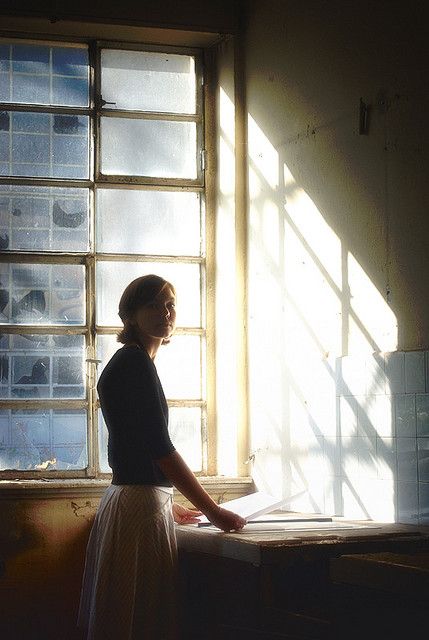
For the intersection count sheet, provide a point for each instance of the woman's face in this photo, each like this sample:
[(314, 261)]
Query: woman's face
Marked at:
[(157, 319)]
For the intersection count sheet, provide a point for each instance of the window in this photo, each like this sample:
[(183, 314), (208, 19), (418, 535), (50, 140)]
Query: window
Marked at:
[(101, 180)]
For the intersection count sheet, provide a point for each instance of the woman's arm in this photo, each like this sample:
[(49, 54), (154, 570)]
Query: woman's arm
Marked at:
[(177, 471)]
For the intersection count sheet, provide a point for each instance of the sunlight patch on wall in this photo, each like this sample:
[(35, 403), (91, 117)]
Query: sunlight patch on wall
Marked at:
[(265, 158), (310, 302), (373, 324)]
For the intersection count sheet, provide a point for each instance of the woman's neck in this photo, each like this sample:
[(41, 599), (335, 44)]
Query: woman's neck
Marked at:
[(150, 345)]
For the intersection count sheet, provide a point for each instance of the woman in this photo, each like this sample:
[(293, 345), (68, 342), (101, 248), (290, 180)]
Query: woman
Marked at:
[(129, 589)]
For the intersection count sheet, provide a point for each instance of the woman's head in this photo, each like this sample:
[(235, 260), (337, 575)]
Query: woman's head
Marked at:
[(147, 303)]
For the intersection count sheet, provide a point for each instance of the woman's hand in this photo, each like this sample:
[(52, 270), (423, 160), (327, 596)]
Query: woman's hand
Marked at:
[(182, 515), (226, 520)]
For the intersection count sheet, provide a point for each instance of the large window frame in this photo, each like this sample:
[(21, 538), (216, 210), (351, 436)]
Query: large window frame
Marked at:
[(95, 111)]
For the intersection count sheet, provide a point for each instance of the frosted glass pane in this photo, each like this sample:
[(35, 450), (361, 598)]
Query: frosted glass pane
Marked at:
[(106, 346), (103, 437), (186, 433), (45, 440), (44, 145), (113, 277), (178, 364), (179, 368), (148, 222), (185, 427), (42, 366), (154, 148), (44, 74), (42, 294), (148, 81), (43, 219)]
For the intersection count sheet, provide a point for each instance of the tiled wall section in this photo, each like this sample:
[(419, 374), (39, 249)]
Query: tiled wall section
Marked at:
[(382, 433)]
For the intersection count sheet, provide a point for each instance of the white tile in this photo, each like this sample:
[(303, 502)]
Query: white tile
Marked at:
[(322, 409), (422, 414), (427, 370), (333, 496), (348, 416), (364, 422), (395, 372), (353, 373), (424, 503), (415, 378), (376, 381), (376, 498), (380, 499), (405, 415), (407, 459), (386, 458), (313, 462), (353, 501), (350, 457), (367, 456), (407, 500), (376, 417), (333, 455), (423, 459)]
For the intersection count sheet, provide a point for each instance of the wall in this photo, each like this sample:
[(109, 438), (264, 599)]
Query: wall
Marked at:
[(338, 250), (42, 549), (218, 16)]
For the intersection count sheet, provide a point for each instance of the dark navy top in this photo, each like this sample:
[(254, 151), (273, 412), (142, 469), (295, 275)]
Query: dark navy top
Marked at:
[(136, 414)]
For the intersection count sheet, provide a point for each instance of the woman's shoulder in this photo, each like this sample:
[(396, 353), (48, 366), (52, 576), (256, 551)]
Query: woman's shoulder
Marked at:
[(126, 362)]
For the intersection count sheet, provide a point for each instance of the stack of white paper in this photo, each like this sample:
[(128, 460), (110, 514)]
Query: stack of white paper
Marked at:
[(254, 505)]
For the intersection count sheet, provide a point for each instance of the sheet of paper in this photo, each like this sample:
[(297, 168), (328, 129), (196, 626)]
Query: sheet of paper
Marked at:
[(254, 505)]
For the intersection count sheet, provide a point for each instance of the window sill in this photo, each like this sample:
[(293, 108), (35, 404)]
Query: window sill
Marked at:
[(219, 487)]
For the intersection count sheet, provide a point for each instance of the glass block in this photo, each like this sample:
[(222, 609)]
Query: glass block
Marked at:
[(179, 367), (153, 148), (112, 277), (42, 366), (44, 440), (28, 88), (44, 218), (178, 364), (42, 294), (186, 434), (4, 57), (70, 91), (44, 145), (44, 74), (4, 86), (148, 81), (30, 59), (148, 222), (69, 438), (107, 345)]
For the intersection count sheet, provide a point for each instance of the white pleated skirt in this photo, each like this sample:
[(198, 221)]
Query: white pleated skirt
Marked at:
[(130, 589)]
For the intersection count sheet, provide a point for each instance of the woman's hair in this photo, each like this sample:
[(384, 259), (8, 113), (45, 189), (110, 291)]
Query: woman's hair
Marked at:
[(137, 294)]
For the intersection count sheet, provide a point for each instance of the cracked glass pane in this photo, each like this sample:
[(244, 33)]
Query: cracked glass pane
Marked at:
[(42, 294), (45, 440)]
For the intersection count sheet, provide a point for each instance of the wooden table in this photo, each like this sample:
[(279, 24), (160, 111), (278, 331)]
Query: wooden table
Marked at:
[(276, 584)]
